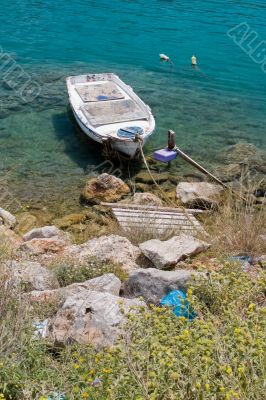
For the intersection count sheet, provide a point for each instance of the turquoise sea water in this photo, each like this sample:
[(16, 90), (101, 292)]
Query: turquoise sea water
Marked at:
[(43, 159)]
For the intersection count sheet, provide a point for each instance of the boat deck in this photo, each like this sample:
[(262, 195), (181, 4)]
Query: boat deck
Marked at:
[(113, 112), (95, 92)]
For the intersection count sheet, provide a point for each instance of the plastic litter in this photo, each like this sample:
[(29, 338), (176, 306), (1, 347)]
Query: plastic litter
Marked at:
[(177, 300), (96, 382), (41, 329), (56, 396), (245, 261), (164, 155)]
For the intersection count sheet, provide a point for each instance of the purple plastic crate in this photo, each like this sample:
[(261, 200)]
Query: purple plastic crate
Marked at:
[(164, 155)]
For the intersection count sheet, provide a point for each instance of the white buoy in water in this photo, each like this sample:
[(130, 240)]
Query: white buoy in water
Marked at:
[(194, 60), (164, 57)]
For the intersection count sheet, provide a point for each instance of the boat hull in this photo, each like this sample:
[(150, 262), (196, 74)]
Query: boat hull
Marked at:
[(128, 148), (109, 112)]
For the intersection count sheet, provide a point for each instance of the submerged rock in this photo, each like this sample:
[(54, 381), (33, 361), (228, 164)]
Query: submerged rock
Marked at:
[(31, 275), (104, 187), (90, 317), (144, 177), (112, 248), (229, 172), (106, 283), (152, 284), (166, 254), (26, 222), (7, 219), (240, 152), (199, 194), (70, 220)]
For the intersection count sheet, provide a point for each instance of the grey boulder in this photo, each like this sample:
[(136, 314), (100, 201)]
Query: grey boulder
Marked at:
[(48, 239), (31, 275), (41, 246), (45, 232), (106, 283), (199, 194), (91, 317), (7, 219), (148, 199), (152, 284), (113, 248), (166, 254)]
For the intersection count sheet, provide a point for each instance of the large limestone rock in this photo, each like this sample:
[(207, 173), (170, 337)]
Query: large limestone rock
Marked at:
[(104, 187), (48, 239), (153, 284), (42, 246), (90, 317), (106, 283), (7, 219), (146, 199), (31, 275), (166, 254), (112, 248), (9, 238), (198, 194), (45, 232)]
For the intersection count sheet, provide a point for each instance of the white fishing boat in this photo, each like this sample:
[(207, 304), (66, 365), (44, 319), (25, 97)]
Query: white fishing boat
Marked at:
[(109, 112)]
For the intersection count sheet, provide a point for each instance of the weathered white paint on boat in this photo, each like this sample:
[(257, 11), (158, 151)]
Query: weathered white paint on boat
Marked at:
[(96, 101)]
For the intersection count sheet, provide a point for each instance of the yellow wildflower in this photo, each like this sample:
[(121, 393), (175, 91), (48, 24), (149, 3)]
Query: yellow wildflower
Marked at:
[(106, 371), (229, 370)]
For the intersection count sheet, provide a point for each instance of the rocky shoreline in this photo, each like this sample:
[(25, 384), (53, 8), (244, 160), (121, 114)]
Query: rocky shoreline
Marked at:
[(89, 310), (240, 166)]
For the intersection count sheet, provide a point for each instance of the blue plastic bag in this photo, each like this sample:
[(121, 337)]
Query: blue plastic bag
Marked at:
[(56, 396), (177, 300)]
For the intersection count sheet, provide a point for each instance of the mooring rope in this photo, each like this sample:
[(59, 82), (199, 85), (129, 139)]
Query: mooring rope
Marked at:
[(174, 205)]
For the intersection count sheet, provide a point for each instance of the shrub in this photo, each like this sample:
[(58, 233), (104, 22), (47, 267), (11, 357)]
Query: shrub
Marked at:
[(69, 271), (220, 355)]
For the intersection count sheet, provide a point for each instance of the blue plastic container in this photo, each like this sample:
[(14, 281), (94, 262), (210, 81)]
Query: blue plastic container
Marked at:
[(164, 155)]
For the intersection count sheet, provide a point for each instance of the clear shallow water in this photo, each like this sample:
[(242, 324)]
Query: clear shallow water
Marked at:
[(44, 161)]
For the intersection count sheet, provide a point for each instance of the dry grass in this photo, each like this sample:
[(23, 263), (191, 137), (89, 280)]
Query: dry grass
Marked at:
[(148, 228), (13, 310), (142, 234), (238, 227)]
